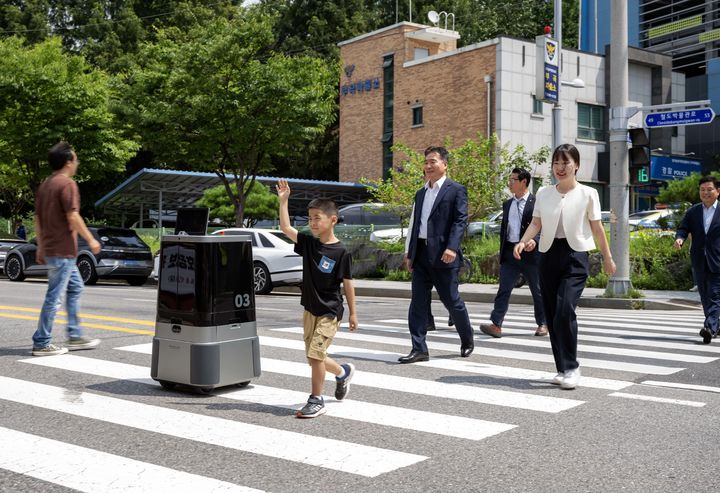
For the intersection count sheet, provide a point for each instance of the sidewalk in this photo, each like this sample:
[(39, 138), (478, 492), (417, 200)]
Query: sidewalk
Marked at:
[(485, 293)]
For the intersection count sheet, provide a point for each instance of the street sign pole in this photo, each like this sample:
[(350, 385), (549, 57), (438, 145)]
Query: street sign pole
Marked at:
[(619, 284)]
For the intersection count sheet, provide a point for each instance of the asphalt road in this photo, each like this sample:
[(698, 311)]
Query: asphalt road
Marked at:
[(492, 422)]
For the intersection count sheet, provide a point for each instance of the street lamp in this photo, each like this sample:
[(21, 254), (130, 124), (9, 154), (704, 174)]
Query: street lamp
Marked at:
[(557, 110)]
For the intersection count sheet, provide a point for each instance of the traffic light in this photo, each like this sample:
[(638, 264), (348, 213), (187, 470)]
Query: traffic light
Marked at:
[(639, 155)]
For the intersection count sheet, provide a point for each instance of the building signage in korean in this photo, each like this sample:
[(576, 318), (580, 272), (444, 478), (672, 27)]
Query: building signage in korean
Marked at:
[(547, 72), (358, 86), (667, 168)]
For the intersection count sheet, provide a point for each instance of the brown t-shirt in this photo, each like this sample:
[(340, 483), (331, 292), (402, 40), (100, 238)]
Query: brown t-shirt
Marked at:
[(55, 197)]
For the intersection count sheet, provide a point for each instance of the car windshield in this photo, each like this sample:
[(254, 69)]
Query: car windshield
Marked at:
[(120, 238), (281, 235)]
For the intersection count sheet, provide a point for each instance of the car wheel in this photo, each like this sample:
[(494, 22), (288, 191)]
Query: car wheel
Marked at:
[(87, 270), (13, 269), (136, 280), (263, 283)]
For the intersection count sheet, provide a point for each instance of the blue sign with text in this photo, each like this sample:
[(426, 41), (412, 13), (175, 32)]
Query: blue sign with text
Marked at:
[(686, 117), (672, 168), (550, 93)]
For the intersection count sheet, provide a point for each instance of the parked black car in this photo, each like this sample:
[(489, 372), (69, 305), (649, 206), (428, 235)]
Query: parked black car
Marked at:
[(123, 256), (5, 245)]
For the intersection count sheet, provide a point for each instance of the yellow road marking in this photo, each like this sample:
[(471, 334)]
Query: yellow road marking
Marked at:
[(83, 324), (83, 315)]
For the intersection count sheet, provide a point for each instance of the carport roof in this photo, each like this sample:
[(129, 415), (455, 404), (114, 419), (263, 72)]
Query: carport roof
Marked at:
[(149, 187)]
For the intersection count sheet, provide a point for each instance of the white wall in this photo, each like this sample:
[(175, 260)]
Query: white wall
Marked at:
[(515, 85)]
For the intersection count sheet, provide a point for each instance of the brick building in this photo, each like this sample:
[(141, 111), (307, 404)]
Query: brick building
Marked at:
[(409, 83)]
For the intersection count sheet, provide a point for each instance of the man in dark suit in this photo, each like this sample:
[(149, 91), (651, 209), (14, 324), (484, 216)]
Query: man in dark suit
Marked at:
[(703, 223), (517, 215), (434, 256)]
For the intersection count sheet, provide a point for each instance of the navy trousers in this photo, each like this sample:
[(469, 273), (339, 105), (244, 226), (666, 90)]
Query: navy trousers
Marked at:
[(445, 281), (563, 273), (510, 270), (708, 284)]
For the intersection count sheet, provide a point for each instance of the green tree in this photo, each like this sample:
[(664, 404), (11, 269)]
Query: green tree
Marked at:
[(683, 191), (47, 96), (480, 164), (260, 203), (219, 99)]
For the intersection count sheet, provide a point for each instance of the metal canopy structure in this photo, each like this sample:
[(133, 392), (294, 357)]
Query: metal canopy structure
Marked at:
[(167, 190)]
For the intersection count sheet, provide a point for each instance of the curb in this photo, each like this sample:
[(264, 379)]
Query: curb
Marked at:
[(524, 299)]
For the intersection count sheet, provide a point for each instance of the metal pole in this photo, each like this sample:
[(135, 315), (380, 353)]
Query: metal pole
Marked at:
[(619, 284), (557, 107)]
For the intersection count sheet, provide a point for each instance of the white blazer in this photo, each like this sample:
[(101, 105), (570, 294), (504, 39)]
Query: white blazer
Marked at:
[(579, 206)]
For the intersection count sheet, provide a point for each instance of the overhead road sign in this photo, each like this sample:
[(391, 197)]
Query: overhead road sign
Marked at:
[(699, 116)]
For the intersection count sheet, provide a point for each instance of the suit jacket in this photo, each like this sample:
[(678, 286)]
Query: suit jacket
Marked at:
[(704, 246), (446, 224), (525, 221)]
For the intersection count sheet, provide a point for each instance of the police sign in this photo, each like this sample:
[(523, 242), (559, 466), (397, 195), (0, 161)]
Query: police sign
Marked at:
[(547, 73)]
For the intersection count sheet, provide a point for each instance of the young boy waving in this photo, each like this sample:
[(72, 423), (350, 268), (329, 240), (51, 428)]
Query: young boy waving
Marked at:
[(326, 265)]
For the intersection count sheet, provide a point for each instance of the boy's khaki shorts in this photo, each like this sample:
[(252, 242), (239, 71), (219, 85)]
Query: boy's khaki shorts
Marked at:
[(318, 333)]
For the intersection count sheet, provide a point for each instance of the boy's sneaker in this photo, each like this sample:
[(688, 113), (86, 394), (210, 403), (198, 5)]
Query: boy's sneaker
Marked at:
[(343, 384), (82, 342), (49, 350), (315, 407)]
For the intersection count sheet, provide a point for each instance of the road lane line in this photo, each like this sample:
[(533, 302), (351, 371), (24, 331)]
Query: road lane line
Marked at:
[(684, 386), (90, 316), (89, 470), (332, 454), (395, 383), (85, 325), (368, 412), (501, 353), (658, 399)]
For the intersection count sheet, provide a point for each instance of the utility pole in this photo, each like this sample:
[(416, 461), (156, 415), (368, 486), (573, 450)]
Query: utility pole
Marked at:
[(557, 107), (619, 284)]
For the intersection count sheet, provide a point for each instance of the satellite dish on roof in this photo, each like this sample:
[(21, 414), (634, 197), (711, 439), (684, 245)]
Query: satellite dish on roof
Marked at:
[(434, 17)]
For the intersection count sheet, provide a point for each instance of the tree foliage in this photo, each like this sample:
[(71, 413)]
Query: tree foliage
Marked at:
[(47, 96), (480, 164), (219, 99), (260, 203), (683, 191)]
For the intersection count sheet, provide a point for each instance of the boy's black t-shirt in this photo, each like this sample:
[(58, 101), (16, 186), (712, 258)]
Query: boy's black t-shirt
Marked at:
[(324, 268)]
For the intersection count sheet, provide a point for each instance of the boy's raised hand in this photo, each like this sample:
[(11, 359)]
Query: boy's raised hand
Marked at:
[(283, 189)]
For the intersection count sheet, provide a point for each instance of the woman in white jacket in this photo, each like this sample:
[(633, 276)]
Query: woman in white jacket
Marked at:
[(567, 216)]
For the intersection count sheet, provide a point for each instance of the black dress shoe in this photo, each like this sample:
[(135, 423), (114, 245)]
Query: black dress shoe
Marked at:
[(430, 328), (706, 335), (414, 357), (466, 351)]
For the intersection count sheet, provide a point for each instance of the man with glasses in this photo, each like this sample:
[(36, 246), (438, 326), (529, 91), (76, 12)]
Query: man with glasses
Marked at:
[(703, 223), (517, 215)]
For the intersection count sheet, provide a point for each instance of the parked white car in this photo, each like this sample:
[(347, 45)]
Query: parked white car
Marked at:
[(274, 258)]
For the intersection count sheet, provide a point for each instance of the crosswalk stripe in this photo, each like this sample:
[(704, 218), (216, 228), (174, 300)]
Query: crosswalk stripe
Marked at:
[(341, 456), (470, 366), (646, 326), (405, 384), (680, 385), (410, 419), (89, 470), (631, 338), (503, 353), (658, 399)]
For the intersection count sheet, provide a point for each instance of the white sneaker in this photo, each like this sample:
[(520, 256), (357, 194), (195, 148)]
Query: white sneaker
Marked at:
[(557, 379), (571, 380)]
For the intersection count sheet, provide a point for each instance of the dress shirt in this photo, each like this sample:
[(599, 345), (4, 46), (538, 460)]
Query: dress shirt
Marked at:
[(708, 213), (431, 193), (515, 217)]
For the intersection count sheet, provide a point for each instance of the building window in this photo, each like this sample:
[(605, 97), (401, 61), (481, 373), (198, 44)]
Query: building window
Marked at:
[(537, 106), (417, 116), (591, 122), (421, 53), (388, 106)]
